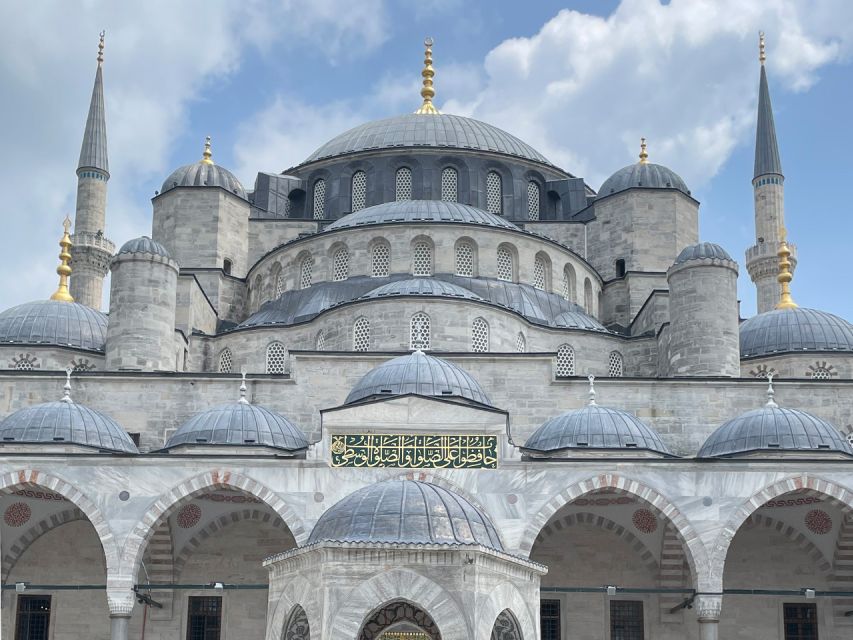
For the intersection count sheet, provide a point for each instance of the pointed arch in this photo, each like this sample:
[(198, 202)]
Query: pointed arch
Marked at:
[(507, 597), (21, 544)]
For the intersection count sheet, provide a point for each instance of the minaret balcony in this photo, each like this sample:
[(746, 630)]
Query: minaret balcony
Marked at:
[(98, 240), (766, 250)]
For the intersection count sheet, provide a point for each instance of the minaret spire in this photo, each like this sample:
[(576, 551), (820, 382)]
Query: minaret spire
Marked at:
[(767, 159), (93, 153)]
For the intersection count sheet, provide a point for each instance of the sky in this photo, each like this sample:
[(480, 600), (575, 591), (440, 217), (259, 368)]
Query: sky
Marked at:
[(580, 81)]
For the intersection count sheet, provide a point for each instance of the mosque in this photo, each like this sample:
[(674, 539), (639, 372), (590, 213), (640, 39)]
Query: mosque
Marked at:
[(425, 385)]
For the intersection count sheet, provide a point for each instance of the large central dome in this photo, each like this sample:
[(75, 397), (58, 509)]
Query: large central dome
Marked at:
[(439, 131)]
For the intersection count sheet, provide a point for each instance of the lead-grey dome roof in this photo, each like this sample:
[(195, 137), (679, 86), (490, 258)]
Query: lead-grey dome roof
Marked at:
[(595, 427), (702, 251), (241, 424), (441, 131), (406, 512), (774, 428), (65, 423), (645, 175), (52, 322), (420, 374), (794, 331), (420, 287), (203, 174), (144, 244), (405, 211)]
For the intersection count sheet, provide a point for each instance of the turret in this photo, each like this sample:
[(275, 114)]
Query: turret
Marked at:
[(143, 290), (92, 250), (768, 186)]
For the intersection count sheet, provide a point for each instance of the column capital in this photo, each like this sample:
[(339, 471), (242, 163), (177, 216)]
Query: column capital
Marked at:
[(708, 607), (120, 597)]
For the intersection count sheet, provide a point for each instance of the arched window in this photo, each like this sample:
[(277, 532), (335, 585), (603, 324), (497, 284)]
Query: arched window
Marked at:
[(494, 193), (422, 259), (479, 335), (340, 265), (381, 258), (320, 199), (539, 273), (305, 272), (449, 184), (359, 190), (257, 293), (226, 361), (620, 268), (505, 266), (615, 368), (565, 361), (420, 332), (279, 284), (276, 358), (320, 344), (587, 296), (520, 343), (361, 335), (403, 184), (532, 201), (569, 280), (465, 259)]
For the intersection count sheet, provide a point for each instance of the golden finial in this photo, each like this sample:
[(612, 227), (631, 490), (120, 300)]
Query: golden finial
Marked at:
[(427, 92), (101, 48), (785, 276), (205, 157), (64, 269), (762, 54), (644, 156)]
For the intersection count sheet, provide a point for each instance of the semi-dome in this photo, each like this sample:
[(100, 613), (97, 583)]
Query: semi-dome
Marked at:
[(421, 287), (702, 251), (239, 424), (53, 322), (144, 244), (406, 512), (595, 427), (774, 428), (419, 374), (794, 331), (644, 175), (437, 131), (204, 173), (408, 211), (63, 422)]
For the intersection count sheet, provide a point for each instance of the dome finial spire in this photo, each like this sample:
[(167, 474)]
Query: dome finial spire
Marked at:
[(771, 394), (64, 269), (591, 394), (66, 390), (101, 48), (206, 155), (644, 156), (242, 399), (785, 276), (762, 52), (427, 91)]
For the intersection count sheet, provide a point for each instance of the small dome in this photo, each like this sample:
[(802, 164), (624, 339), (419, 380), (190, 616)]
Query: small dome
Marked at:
[(595, 427), (404, 211), (240, 424), (644, 175), (774, 428), (406, 512), (794, 331), (144, 244), (51, 322), (421, 287), (439, 131), (702, 251), (204, 174), (421, 375), (65, 423)]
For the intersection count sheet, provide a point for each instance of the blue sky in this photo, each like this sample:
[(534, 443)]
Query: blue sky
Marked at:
[(580, 81)]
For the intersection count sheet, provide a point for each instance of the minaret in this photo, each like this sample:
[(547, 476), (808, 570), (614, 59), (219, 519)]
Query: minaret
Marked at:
[(91, 250), (762, 261)]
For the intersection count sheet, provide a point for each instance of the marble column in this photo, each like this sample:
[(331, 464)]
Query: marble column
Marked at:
[(119, 625), (708, 607), (121, 599)]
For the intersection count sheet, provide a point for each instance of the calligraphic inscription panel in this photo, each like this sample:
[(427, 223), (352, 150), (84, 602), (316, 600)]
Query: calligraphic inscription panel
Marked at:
[(415, 451)]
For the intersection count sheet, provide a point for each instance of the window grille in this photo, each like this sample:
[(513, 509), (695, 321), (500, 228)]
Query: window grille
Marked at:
[(615, 367), (494, 193), (359, 190), (800, 621), (850, 438), (505, 270), (479, 335), (320, 199), (287, 206), (820, 373), (33, 618), (532, 201), (24, 365), (449, 185), (420, 332), (549, 619), (276, 358), (539, 273), (279, 285), (626, 620), (81, 365), (204, 618), (340, 265), (568, 288), (305, 272), (381, 260), (520, 343), (465, 259), (404, 183), (226, 361), (321, 341), (565, 361), (422, 259), (361, 335)]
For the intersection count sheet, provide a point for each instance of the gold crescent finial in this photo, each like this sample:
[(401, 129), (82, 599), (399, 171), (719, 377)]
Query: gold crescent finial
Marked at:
[(427, 91), (64, 269), (101, 48), (785, 276), (762, 53), (205, 157), (644, 156)]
